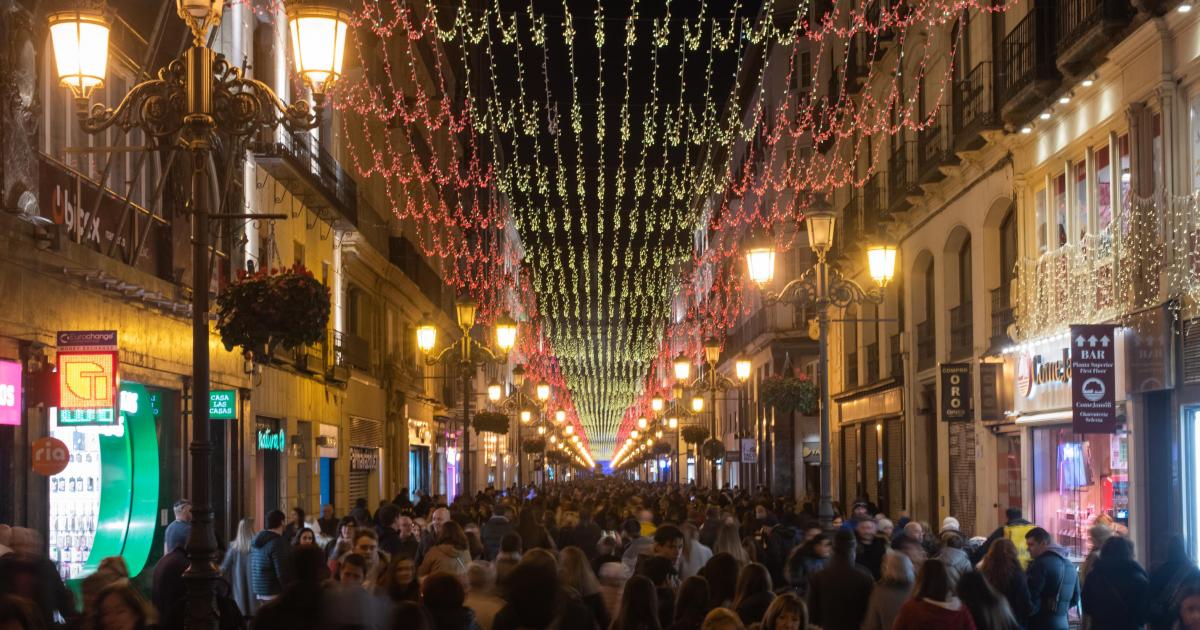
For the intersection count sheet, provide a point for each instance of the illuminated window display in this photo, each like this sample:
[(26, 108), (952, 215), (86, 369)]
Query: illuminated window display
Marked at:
[(1078, 481)]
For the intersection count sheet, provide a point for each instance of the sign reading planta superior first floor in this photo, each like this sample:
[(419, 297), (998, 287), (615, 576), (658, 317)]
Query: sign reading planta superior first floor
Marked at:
[(1093, 379)]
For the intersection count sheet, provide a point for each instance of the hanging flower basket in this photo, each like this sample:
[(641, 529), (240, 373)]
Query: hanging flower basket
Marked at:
[(694, 434), (273, 308), (662, 449), (533, 446), (789, 393), (713, 450), (490, 422)]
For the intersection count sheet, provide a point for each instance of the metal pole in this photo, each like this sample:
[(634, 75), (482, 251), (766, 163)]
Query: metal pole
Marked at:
[(825, 509), (466, 450), (712, 391)]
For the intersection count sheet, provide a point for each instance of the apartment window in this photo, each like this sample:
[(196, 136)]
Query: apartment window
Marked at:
[(1124, 164), (1156, 145), (1040, 209), (1060, 209), (1103, 191), (1079, 179), (964, 272)]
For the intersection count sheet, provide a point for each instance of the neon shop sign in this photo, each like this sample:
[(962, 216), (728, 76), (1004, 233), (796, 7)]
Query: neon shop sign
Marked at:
[(271, 440)]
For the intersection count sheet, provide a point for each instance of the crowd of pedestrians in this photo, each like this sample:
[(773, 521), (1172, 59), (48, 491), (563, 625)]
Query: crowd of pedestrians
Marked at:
[(617, 555)]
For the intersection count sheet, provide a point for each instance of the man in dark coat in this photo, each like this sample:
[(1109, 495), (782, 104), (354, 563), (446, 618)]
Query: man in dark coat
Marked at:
[(494, 529), (1053, 582), (270, 559), (587, 534), (712, 524), (838, 594), (871, 548)]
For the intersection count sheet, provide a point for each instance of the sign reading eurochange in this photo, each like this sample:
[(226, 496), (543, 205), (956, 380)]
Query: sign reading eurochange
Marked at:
[(222, 404)]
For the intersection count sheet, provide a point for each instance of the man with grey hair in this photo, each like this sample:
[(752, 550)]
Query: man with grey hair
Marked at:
[(179, 529), (429, 537), (481, 583)]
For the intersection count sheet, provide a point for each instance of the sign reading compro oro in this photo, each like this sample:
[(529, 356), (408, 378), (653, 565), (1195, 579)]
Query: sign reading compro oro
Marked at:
[(50, 456)]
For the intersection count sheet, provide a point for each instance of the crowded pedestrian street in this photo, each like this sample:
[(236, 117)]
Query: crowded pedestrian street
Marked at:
[(600, 314)]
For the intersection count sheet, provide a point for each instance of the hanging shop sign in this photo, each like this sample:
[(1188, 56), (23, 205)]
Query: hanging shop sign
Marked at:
[(749, 451), (87, 377), (1094, 380), (364, 458), (222, 404), (956, 391), (1147, 345), (991, 391), (50, 456), (10, 393), (271, 440)]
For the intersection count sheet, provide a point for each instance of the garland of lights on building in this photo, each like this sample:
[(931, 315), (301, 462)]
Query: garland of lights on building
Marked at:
[(480, 123)]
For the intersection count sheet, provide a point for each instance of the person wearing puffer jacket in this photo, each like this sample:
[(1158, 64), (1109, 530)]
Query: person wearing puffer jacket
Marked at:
[(450, 554), (1114, 595), (1053, 582), (270, 559)]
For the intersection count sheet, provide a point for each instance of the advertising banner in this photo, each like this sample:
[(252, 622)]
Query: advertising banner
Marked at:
[(11, 408), (1093, 379)]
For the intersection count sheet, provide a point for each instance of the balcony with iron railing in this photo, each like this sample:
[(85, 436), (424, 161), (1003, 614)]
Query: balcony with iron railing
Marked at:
[(1087, 29), (311, 173), (850, 227), (962, 338), (976, 107), (872, 206), (858, 62), (871, 362), (1028, 64), (901, 175), (352, 351), (895, 358), (926, 345), (934, 147), (1002, 315)]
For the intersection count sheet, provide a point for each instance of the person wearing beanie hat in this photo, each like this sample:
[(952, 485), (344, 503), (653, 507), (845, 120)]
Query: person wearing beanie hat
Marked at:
[(950, 524), (838, 594)]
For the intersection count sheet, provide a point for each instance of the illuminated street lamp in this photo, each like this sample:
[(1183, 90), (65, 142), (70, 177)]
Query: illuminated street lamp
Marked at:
[(672, 423), (697, 404), (742, 370), (560, 416), (526, 416), (822, 287), (495, 391), (542, 391), (656, 404), (682, 367), (198, 102), (506, 333), (642, 423)]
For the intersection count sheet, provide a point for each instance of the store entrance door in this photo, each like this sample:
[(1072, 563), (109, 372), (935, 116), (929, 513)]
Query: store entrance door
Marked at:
[(418, 469)]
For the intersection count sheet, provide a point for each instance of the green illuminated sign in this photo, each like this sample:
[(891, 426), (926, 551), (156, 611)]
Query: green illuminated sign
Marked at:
[(86, 417), (222, 404)]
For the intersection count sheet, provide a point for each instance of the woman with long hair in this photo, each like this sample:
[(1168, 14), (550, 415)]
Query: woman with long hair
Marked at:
[(729, 542), (893, 589), (787, 612), (450, 555), (988, 608), (933, 605), (1002, 568), (576, 573), (119, 606), (236, 567), (806, 560), (694, 555), (443, 595), (691, 604), (398, 582), (639, 606), (753, 594), (305, 537), (721, 572)]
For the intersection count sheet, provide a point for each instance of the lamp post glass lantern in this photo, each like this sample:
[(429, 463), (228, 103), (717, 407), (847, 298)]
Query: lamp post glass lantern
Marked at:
[(179, 106), (822, 287)]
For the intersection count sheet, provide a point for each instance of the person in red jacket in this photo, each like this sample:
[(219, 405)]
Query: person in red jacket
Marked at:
[(933, 605)]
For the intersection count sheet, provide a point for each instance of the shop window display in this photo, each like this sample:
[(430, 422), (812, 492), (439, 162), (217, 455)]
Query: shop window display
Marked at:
[(1078, 481)]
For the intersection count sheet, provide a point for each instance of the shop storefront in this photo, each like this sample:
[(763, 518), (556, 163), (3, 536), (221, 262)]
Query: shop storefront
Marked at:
[(106, 501), (420, 436), (270, 440), (872, 448), (366, 451), (327, 451), (1073, 479)]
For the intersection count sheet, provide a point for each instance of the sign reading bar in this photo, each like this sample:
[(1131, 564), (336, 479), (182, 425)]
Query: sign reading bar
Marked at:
[(271, 440), (956, 391), (1093, 382), (222, 404), (10, 393), (364, 458)]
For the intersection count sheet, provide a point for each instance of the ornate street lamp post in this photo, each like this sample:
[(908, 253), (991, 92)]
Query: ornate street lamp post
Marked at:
[(505, 331), (190, 103), (821, 287)]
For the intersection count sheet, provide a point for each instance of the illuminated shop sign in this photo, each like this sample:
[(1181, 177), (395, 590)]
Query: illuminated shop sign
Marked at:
[(222, 404), (271, 440), (87, 384), (10, 393)]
